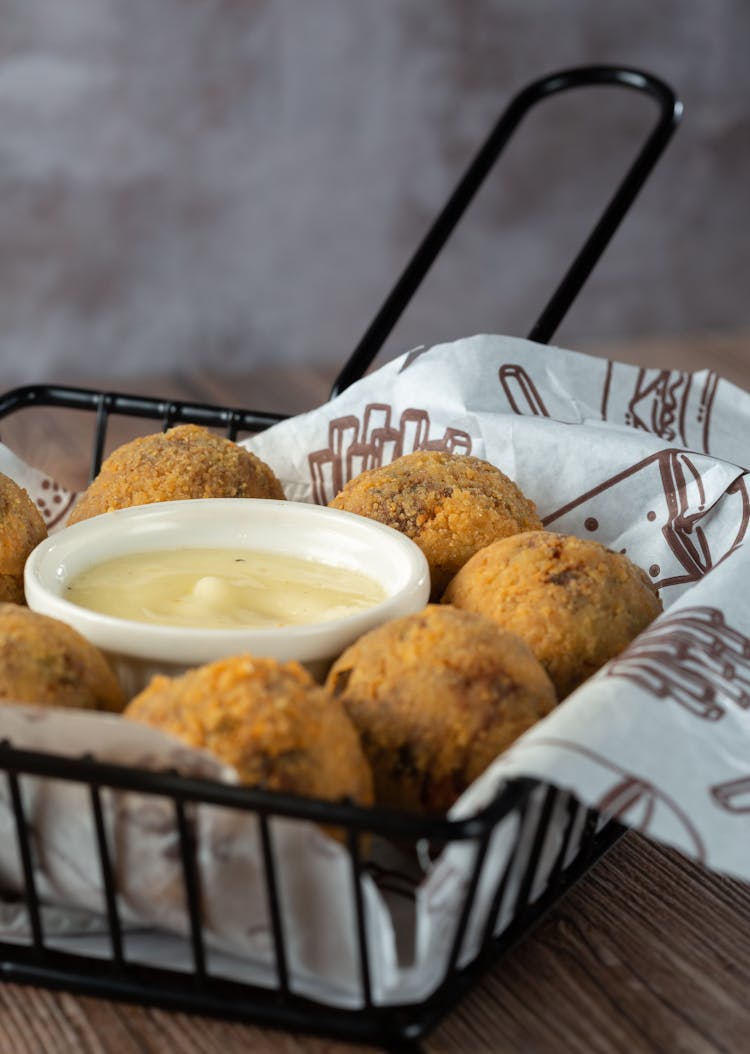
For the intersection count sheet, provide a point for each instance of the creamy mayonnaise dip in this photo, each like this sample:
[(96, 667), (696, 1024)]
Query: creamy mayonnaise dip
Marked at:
[(222, 588)]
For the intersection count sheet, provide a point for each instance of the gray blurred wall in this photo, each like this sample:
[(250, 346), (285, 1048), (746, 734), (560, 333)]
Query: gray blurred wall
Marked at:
[(228, 183)]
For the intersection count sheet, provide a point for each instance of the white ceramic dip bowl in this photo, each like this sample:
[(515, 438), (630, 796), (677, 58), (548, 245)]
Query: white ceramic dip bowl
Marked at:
[(138, 650)]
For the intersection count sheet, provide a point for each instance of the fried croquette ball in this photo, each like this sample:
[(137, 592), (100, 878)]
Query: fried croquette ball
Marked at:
[(270, 720), (185, 462), (21, 529), (451, 505), (45, 661), (576, 603), (435, 697)]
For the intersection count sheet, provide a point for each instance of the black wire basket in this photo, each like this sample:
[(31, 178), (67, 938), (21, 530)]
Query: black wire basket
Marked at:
[(556, 838)]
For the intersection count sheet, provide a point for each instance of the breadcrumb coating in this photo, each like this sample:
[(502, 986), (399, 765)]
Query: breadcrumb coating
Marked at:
[(435, 697), (185, 462), (45, 661), (270, 720), (576, 603), (21, 529), (450, 505)]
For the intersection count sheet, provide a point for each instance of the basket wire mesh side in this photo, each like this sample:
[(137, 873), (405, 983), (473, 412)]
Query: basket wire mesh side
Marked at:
[(577, 841), (557, 840)]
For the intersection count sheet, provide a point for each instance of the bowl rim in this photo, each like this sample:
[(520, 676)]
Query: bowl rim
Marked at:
[(44, 580)]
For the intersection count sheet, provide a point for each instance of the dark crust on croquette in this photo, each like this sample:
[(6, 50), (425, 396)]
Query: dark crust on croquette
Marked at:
[(185, 462), (21, 529), (451, 505), (270, 720), (45, 661), (576, 603), (435, 697)]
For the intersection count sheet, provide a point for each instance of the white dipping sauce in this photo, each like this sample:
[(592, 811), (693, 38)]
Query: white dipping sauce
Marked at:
[(222, 588)]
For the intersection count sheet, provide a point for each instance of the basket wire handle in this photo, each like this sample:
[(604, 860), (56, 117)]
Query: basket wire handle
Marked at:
[(670, 112)]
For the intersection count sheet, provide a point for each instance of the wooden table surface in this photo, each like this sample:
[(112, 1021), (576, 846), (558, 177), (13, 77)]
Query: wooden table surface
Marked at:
[(648, 953)]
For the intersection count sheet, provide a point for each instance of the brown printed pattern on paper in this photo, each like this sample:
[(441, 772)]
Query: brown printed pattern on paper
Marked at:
[(53, 502), (693, 658), (732, 795), (634, 801), (357, 444), (666, 403), (522, 394), (679, 513), (670, 404)]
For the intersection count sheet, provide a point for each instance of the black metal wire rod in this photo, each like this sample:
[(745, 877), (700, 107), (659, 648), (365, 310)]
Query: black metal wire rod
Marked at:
[(436, 237), (392, 822), (192, 886), (274, 904), (468, 904), (125, 405), (23, 837), (540, 836), (605, 227), (493, 914), (108, 878), (352, 842)]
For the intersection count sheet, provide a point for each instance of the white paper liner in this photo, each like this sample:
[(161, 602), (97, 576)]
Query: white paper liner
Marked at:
[(646, 461), (313, 870)]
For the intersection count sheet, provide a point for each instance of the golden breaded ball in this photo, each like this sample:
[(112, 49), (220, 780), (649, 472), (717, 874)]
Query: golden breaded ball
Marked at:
[(435, 697), (45, 661), (451, 505), (576, 603), (185, 462), (270, 720), (21, 529)]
